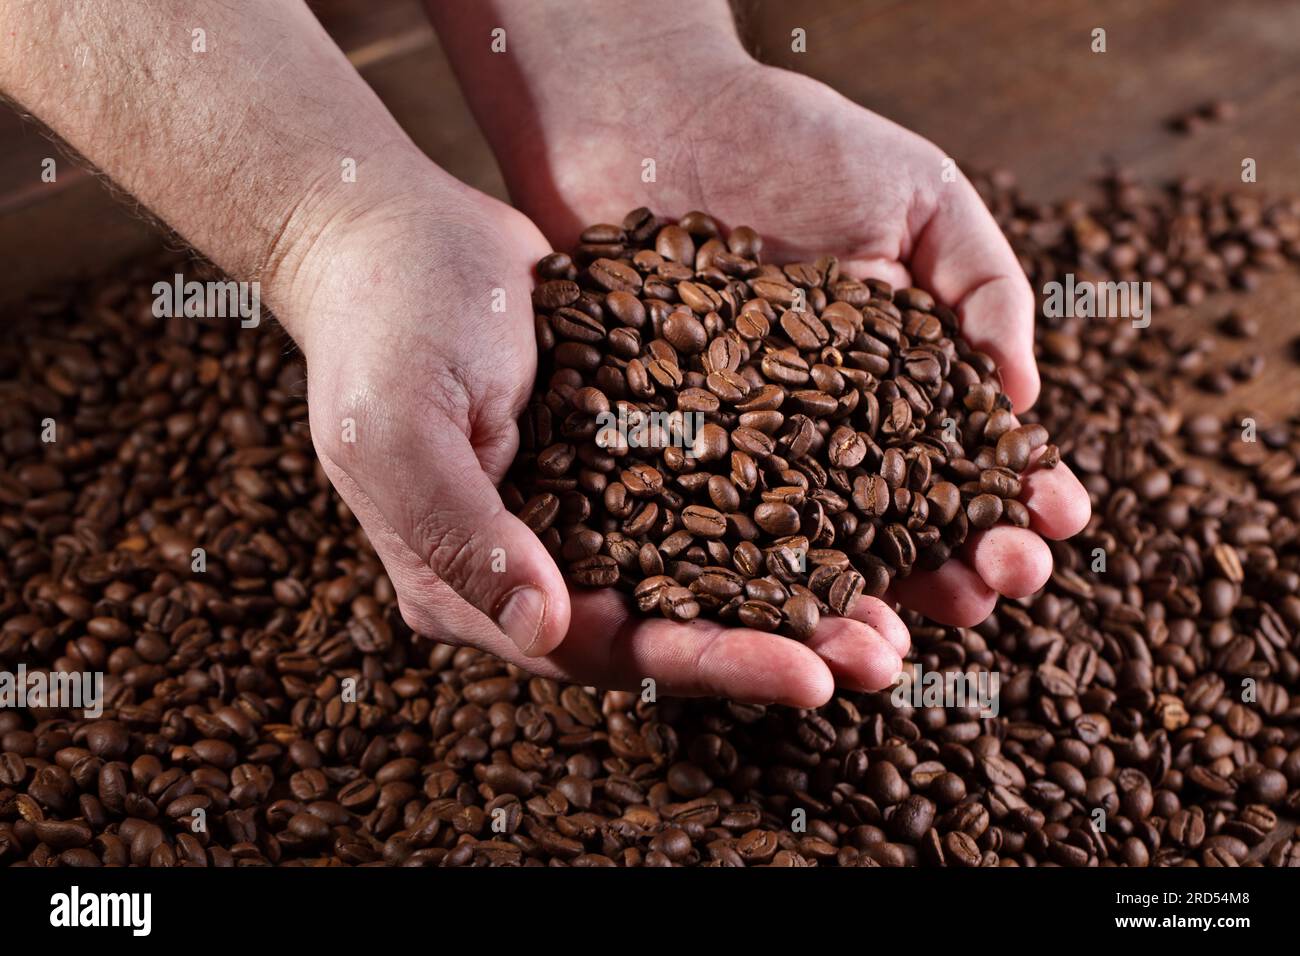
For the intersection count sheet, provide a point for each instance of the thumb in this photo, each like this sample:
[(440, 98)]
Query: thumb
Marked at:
[(496, 563), (487, 555), (963, 258), (433, 492)]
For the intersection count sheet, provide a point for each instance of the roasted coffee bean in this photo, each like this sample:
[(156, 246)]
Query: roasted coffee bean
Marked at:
[(1013, 450), (1000, 482), (871, 496), (1119, 684), (704, 522), (845, 591), (802, 615), (759, 615), (777, 518), (540, 512), (805, 330), (945, 502), (1015, 513), (614, 276), (108, 739), (63, 835), (679, 604), (847, 448), (984, 510), (596, 571)]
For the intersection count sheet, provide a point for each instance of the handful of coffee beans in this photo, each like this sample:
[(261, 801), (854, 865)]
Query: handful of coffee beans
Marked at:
[(757, 443)]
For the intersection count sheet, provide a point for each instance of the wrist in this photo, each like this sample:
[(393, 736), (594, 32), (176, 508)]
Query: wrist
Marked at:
[(595, 163), (332, 220), (625, 96), (574, 70)]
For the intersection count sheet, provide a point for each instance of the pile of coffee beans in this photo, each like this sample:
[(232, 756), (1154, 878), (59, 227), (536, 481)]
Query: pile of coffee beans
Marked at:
[(756, 443), (1150, 680)]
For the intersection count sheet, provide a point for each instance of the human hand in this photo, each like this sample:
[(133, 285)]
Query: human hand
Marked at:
[(812, 173)]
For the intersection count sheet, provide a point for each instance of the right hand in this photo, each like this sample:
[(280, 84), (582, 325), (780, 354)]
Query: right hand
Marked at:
[(814, 173)]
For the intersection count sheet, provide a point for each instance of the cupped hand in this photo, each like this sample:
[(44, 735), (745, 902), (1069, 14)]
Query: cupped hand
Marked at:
[(813, 173), (415, 317)]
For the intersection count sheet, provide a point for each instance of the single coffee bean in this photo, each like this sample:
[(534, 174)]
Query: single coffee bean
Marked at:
[(760, 615), (614, 276), (777, 518), (1013, 450), (845, 591), (679, 604), (945, 501), (1000, 482), (984, 510), (704, 522), (802, 615), (847, 448), (596, 571), (540, 512)]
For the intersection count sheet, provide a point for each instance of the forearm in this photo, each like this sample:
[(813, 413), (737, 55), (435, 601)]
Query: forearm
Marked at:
[(567, 63), (240, 148)]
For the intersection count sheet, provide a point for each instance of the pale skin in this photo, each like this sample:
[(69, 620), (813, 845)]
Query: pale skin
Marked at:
[(386, 283)]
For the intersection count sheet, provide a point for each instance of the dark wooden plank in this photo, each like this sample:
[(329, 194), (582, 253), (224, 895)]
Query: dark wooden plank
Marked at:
[(1014, 84)]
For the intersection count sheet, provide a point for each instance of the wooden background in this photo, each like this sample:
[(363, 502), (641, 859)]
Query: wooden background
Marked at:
[(997, 83)]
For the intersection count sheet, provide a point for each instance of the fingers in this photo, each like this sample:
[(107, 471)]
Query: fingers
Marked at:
[(881, 618), (1059, 506), (610, 647), (709, 658), (954, 594), (858, 655), (997, 317), (963, 258), (1014, 562)]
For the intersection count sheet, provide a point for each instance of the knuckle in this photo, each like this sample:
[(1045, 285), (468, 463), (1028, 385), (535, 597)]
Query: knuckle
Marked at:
[(427, 605), (459, 556)]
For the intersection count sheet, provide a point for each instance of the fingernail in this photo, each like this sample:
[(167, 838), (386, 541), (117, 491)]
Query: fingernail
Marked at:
[(520, 615)]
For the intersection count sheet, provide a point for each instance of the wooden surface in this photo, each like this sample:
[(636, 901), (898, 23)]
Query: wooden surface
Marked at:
[(996, 83), (1014, 83)]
